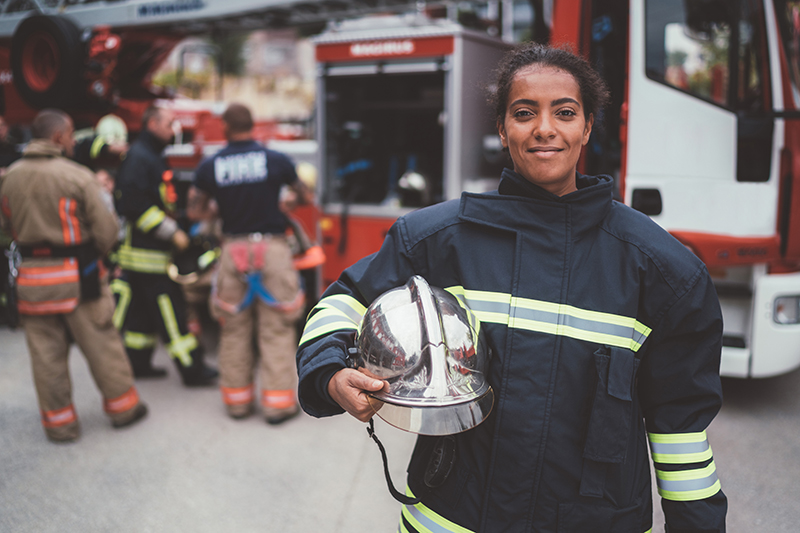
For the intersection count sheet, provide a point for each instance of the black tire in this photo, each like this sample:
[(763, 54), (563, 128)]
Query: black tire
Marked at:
[(46, 61)]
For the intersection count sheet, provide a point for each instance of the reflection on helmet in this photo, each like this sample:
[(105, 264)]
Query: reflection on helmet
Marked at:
[(429, 348)]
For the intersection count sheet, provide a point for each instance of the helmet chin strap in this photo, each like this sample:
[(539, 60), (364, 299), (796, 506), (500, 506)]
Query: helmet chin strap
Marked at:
[(399, 496)]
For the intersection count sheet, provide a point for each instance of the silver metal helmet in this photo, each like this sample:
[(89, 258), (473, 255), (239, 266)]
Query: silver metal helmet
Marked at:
[(431, 351)]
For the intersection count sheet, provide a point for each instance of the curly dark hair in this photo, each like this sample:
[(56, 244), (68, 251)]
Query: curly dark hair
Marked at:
[(594, 91)]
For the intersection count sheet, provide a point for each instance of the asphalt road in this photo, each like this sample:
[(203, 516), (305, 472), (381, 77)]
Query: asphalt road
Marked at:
[(188, 467)]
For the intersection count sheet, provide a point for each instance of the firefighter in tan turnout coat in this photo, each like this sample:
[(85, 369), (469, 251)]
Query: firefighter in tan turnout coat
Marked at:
[(62, 229)]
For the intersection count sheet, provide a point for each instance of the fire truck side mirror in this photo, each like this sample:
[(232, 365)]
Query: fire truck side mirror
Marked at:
[(647, 201)]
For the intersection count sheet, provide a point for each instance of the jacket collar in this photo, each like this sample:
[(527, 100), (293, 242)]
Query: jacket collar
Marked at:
[(519, 205), (152, 141), (42, 148)]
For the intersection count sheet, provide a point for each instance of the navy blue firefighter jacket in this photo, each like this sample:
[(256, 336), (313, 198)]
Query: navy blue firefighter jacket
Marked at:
[(606, 335)]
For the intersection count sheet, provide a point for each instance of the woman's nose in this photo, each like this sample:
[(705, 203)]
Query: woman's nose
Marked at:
[(543, 127)]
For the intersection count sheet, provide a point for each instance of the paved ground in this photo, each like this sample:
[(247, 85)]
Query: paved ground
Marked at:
[(188, 467)]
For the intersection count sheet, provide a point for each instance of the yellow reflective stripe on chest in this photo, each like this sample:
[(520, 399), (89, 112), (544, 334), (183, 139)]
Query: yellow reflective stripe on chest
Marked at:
[(425, 520), (333, 313), (554, 319)]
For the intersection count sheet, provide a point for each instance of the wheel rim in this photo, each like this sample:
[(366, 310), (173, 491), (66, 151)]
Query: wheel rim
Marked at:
[(40, 61)]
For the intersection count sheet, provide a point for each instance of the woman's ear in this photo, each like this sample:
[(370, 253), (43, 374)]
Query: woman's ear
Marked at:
[(587, 130), (501, 130)]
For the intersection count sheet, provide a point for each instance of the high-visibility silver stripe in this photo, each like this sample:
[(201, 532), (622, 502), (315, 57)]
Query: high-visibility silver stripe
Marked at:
[(501, 312), (686, 485), (678, 448), (424, 521), (339, 305), (323, 321), (577, 323), (480, 306)]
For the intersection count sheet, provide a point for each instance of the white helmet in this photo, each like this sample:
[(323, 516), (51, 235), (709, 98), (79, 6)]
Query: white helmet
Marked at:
[(430, 349), (112, 129)]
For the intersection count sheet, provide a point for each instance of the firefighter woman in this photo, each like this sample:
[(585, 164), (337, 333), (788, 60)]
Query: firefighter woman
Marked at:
[(62, 230), (149, 303), (605, 334)]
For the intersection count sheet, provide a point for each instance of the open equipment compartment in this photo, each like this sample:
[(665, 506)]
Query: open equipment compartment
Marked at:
[(402, 122)]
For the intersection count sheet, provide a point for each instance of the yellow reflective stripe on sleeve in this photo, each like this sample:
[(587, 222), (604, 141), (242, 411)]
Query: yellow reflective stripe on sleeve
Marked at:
[(424, 520), (150, 219), (138, 341), (688, 485), (179, 346), (346, 304), (334, 313), (123, 291), (679, 448), (554, 319)]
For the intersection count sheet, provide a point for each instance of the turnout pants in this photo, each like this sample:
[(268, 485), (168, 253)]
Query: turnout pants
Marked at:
[(149, 306), (269, 327), (90, 326)]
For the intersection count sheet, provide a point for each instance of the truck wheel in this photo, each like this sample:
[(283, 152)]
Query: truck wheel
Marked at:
[(46, 61)]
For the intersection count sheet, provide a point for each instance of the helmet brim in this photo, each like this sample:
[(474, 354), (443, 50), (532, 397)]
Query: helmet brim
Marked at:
[(435, 420)]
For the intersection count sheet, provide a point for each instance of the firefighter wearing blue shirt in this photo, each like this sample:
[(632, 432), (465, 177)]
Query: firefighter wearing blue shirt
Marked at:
[(149, 302), (256, 293), (605, 333)]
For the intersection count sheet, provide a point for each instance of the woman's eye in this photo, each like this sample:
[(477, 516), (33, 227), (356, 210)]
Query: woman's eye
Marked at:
[(522, 113), (567, 113)]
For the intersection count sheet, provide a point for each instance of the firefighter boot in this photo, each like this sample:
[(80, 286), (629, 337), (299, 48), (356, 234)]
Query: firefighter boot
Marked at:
[(63, 434), (136, 414), (142, 363), (198, 374)]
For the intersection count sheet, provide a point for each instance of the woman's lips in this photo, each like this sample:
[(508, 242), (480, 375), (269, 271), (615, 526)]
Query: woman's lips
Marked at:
[(545, 152)]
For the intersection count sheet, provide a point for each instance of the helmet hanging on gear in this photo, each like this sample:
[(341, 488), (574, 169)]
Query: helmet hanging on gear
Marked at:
[(429, 347)]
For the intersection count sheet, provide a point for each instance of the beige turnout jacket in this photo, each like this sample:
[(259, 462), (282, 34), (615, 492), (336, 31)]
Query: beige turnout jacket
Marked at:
[(48, 200)]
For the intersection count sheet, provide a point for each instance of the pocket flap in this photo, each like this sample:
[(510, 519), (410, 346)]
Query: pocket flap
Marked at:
[(621, 370), (609, 425)]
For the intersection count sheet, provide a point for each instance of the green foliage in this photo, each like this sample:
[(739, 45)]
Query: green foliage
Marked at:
[(190, 84), (231, 47)]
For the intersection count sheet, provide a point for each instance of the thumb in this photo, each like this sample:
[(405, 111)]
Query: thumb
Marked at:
[(367, 383)]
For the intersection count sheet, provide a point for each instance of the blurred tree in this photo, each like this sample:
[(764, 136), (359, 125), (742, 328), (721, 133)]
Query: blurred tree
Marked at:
[(231, 45)]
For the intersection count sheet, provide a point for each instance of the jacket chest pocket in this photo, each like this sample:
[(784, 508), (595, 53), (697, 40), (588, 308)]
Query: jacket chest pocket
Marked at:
[(612, 410)]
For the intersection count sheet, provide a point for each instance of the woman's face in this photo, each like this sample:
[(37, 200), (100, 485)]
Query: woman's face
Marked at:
[(544, 127)]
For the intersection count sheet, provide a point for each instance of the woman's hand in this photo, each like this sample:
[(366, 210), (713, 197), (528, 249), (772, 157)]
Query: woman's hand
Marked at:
[(349, 389)]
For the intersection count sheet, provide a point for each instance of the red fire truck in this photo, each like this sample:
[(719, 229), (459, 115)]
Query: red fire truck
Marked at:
[(702, 135)]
